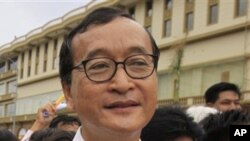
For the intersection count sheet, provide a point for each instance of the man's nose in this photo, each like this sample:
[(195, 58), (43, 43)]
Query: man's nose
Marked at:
[(121, 82), (233, 106)]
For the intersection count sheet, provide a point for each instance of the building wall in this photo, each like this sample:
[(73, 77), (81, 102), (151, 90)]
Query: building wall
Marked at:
[(209, 51), (194, 81), (40, 87), (30, 105)]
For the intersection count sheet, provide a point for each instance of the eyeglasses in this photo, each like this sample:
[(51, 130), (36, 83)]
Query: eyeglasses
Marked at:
[(103, 69)]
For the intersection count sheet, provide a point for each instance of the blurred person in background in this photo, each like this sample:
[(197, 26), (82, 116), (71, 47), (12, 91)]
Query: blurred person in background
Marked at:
[(47, 118), (217, 126), (223, 96), (6, 135), (171, 124), (52, 134)]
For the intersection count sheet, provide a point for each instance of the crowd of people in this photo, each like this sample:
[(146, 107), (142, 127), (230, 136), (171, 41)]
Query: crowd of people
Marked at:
[(108, 74)]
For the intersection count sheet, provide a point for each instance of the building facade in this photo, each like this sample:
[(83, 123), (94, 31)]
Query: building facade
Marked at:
[(202, 42)]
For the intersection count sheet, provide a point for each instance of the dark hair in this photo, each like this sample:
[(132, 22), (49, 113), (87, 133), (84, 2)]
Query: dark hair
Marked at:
[(168, 124), (217, 126), (62, 136), (6, 135), (42, 135), (97, 17), (51, 134), (64, 119), (212, 93)]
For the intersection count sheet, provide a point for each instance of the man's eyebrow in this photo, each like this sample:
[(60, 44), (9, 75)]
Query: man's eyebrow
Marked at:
[(137, 50), (226, 100), (96, 52), (230, 100), (103, 51)]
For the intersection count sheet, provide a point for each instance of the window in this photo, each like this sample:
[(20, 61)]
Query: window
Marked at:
[(167, 16), (149, 29), (2, 67), (148, 18), (11, 86), (189, 21), (22, 63), (12, 63), (189, 15), (29, 63), (167, 28), (131, 11), (149, 10), (55, 64), (45, 57), (213, 14), (45, 66), (1, 110), (176, 88), (2, 89), (189, 1), (241, 7), (37, 60), (168, 4), (10, 109), (165, 90)]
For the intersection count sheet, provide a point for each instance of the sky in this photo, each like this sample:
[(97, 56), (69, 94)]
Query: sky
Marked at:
[(18, 17)]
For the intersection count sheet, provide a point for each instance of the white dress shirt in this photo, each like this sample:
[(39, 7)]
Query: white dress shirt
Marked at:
[(78, 136), (27, 135)]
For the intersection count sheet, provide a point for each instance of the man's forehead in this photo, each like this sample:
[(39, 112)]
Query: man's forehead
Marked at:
[(228, 95), (117, 20), (100, 36), (115, 25)]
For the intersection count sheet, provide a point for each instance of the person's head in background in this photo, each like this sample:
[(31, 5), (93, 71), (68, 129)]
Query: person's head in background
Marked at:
[(6, 135), (223, 96), (108, 74), (65, 122), (171, 124), (52, 134), (217, 126)]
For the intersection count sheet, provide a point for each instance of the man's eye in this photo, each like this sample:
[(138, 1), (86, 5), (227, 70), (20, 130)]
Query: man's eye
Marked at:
[(225, 103), (98, 66), (137, 63)]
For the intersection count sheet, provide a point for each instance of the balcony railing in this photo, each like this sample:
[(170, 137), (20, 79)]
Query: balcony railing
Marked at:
[(8, 96), (21, 118), (28, 117), (184, 101), (8, 74)]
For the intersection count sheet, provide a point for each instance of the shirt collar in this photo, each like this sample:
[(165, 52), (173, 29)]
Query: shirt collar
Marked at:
[(79, 137)]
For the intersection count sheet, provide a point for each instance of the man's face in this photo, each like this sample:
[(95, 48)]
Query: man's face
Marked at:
[(227, 100), (121, 104)]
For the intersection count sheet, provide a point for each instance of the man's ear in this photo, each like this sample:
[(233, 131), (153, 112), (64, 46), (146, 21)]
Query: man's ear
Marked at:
[(68, 96)]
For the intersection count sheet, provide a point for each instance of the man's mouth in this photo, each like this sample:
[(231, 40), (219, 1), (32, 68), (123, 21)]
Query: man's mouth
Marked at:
[(122, 104)]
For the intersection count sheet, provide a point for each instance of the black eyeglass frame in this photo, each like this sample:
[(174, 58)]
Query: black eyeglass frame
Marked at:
[(84, 62)]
